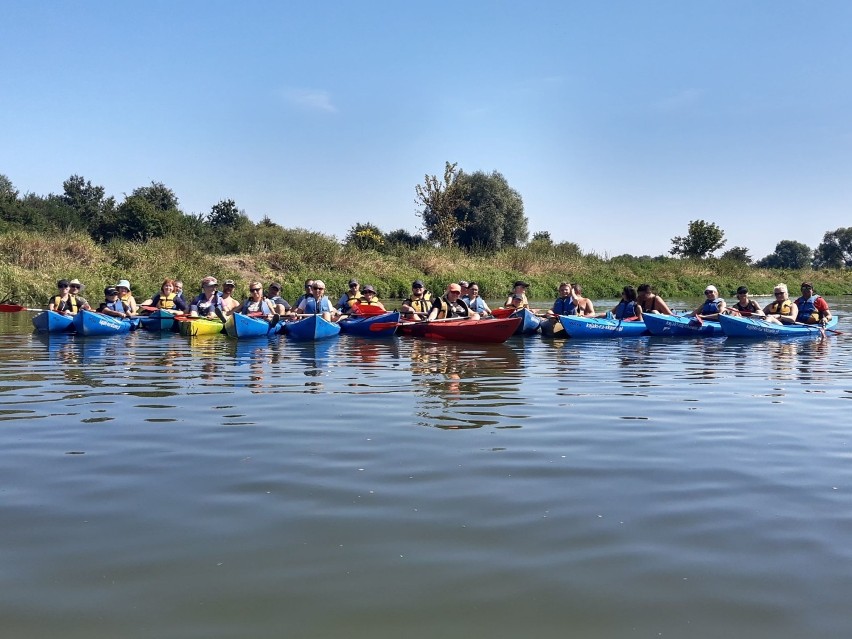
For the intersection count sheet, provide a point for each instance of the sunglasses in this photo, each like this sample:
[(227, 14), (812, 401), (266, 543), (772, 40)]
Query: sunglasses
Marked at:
[(708, 292), (318, 288), (61, 287), (454, 292), (255, 290), (75, 287)]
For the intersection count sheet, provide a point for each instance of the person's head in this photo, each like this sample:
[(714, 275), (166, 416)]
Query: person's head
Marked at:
[(520, 286), (255, 290), (577, 289), (644, 291), (123, 287), (209, 285), (473, 289), (76, 286), (807, 289), (110, 293), (710, 292), (742, 293), (309, 287), (167, 287), (228, 287), (368, 291), (274, 289), (453, 291), (464, 286), (629, 293), (178, 286), (354, 285), (564, 289), (318, 288), (417, 288), (63, 285), (781, 291)]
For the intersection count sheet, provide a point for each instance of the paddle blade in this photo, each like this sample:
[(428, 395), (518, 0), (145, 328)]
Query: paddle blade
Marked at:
[(502, 313), (368, 310), (11, 308)]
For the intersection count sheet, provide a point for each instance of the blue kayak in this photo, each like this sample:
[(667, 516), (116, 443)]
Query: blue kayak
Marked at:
[(736, 326), (242, 326), (90, 323), (383, 325), (578, 326), (678, 326), (313, 327), (159, 320), (530, 322), (53, 322)]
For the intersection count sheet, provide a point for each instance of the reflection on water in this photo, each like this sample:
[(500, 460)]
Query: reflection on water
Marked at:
[(158, 485)]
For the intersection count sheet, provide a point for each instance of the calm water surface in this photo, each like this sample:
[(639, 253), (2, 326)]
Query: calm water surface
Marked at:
[(156, 486)]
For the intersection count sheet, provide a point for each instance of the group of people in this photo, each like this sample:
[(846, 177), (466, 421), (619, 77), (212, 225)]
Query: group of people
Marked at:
[(461, 299), (809, 308)]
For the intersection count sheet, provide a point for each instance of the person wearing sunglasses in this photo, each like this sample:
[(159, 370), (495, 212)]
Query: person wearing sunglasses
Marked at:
[(229, 303), (782, 310), (350, 297), (113, 304), (712, 307), (813, 309), (418, 304), (745, 306), (208, 303), (451, 305), (474, 301), (318, 303), (309, 292), (628, 307), (651, 302), (258, 304), (67, 301)]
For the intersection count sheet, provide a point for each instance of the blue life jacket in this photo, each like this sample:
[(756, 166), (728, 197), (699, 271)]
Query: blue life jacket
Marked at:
[(264, 307), (477, 305), (625, 310), (565, 306), (711, 306), (808, 312), (311, 306)]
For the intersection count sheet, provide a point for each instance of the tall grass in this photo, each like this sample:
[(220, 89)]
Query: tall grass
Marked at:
[(30, 264)]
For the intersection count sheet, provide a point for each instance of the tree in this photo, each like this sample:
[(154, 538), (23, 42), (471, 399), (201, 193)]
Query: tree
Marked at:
[(158, 195), (438, 201), (8, 192), (226, 215), (737, 254), (89, 203), (788, 254), (138, 219), (401, 237), (835, 251), (492, 212), (542, 237), (365, 236), (703, 238)]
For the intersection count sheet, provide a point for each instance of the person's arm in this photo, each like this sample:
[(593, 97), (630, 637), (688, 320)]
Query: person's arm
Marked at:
[(151, 301), (433, 312), (638, 308), (791, 318), (661, 306), (824, 312)]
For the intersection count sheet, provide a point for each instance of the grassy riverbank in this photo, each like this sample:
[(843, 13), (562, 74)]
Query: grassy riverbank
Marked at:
[(30, 265)]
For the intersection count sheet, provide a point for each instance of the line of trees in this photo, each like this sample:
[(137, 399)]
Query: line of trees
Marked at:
[(475, 211)]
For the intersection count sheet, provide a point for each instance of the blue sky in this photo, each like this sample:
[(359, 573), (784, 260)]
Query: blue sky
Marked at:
[(617, 122)]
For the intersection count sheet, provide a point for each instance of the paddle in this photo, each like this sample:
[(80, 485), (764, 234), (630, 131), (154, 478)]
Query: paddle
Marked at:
[(17, 308), (822, 329), (368, 310)]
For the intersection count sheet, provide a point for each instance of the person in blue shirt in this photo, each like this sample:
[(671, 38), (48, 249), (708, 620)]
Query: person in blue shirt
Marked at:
[(474, 301)]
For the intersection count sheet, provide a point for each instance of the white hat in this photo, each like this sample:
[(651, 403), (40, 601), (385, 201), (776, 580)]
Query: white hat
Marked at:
[(123, 283), (710, 287), (78, 283)]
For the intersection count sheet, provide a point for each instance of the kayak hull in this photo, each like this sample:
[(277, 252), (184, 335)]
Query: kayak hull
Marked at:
[(735, 326), (242, 326), (93, 324), (159, 320), (677, 326), (488, 331), (578, 326), (200, 326), (530, 323), (53, 322), (312, 328), (383, 325)]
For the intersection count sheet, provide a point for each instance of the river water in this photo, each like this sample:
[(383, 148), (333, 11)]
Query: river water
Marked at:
[(157, 486)]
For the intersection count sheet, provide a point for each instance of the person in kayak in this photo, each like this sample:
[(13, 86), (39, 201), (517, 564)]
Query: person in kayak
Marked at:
[(745, 306), (813, 309), (518, 297), (585, 307), (318, 303), (651, 302), (782, 310), (627, 308), (712, 307), (451, 305), (66, 302), (229, 303), (369, 301), (350, 297), (208, 302), (259, 305), (474, 301), (113, 305), (417, 306), (167, 299), (565, 304)]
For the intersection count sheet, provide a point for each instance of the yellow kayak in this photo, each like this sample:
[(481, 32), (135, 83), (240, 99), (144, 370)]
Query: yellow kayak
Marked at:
[(200, 327)]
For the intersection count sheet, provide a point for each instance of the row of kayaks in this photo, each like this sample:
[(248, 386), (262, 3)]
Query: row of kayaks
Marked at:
[(312, 327), (495, 330), (681, 326)]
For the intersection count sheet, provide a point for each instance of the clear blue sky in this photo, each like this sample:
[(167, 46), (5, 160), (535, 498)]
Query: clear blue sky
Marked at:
[(618, 122)]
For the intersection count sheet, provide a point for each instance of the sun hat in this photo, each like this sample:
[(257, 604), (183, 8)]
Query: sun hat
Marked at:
[(229, 283), (368, 289), (78, 283), (353, 282), (710, 287), (521, 283), (454, 288), (123, 284)]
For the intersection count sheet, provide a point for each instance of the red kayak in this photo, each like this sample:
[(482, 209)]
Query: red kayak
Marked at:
[(491, 331)]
